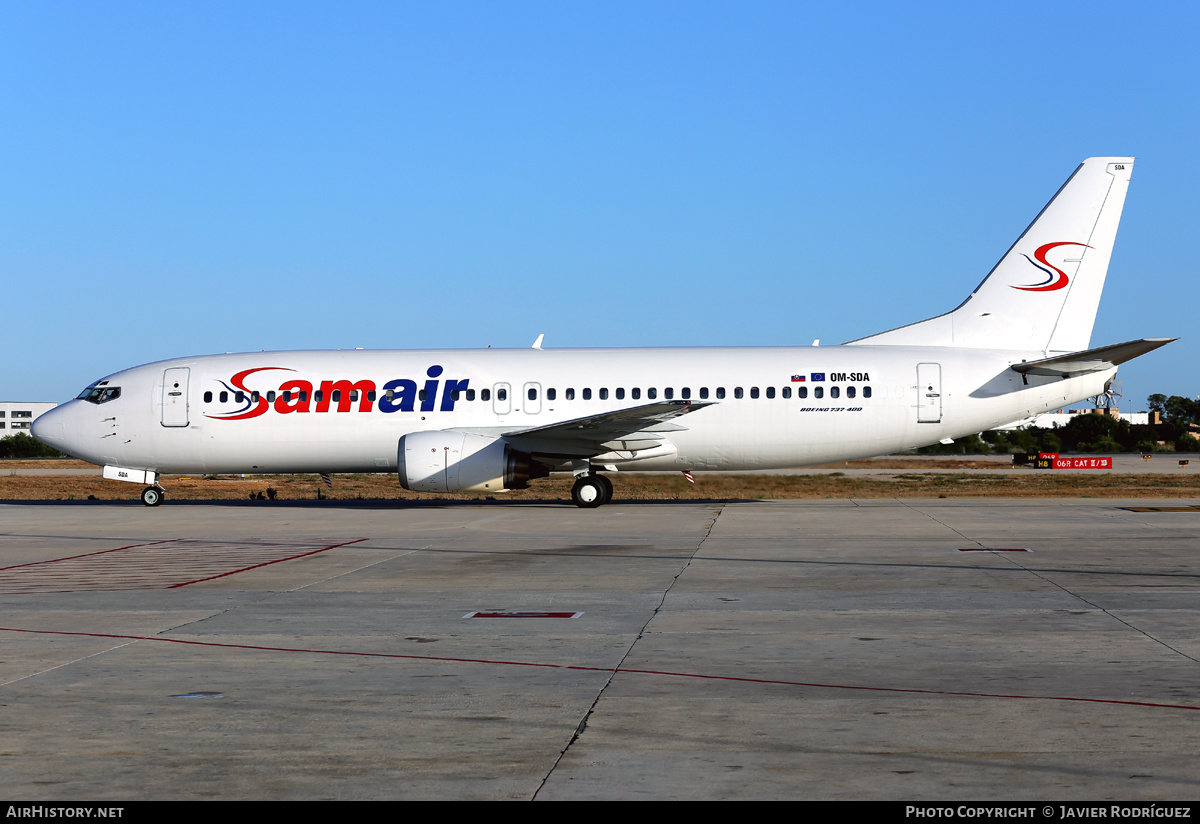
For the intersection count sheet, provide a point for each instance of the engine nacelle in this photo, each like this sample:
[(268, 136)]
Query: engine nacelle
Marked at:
[(443, 461)]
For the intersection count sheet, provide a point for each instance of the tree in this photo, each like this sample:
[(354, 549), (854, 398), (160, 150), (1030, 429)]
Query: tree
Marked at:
[(1178, 415), (1175, 410), (23, 446)]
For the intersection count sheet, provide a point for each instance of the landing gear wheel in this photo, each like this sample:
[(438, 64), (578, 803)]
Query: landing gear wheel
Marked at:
[(591, 491), (152, 496), (608, 488)]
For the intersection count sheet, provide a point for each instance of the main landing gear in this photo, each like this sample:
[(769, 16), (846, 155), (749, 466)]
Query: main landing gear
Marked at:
[(591, 491), (153, 495)]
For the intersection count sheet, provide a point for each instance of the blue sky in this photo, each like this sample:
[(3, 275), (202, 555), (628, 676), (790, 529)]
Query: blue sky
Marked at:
[(188, 178)]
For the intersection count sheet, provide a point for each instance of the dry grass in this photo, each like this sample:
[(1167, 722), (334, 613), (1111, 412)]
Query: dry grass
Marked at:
[(632, 487), (47, 463), (918, 463)]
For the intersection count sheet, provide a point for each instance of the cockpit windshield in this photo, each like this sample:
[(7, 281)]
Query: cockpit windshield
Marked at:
[(100, 393)]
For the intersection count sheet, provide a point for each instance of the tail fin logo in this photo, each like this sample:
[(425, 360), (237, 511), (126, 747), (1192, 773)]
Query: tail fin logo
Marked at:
[(1055, 278)]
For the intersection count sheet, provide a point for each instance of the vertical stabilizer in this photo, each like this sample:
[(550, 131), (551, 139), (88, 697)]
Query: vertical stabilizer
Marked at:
[(1044, 293)]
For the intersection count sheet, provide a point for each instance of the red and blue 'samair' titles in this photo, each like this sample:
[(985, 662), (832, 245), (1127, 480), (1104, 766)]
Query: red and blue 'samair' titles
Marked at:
[(299, 395)]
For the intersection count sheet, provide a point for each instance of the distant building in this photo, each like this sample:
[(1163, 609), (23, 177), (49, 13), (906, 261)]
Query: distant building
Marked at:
[(1060, 417), (18, 416)]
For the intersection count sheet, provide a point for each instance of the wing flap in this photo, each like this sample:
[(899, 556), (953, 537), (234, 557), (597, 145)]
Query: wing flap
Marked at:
[(638, 427)]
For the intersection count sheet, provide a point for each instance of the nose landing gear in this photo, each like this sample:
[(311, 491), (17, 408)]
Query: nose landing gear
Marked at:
[(153, 495)]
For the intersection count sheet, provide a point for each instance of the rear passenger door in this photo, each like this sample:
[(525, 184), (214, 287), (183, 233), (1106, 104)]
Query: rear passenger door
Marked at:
[(929, 393)]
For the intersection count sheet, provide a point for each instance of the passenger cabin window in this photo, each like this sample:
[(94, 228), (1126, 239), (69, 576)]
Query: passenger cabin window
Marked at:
[(866, 391), (770, 391), (485, 394), (802, 392), (850, 392), (551, 394), (604, 393), (570, 394), (787, 391), (587, 394), (834, 392), (668, 394), (651, 393), (207, 399), (621, 394), (818, 391)]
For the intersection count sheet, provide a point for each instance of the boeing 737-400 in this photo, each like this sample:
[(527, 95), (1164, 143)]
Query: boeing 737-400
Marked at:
[(492, 420)]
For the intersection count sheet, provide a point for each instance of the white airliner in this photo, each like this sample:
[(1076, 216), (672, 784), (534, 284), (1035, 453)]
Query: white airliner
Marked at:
[(492, 420)]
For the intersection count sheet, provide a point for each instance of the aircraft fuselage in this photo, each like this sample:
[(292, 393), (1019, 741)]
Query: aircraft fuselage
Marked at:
[(345, 411)]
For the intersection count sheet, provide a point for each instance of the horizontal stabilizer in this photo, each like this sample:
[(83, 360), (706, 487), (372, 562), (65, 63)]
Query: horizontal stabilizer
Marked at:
[(1091, 360)]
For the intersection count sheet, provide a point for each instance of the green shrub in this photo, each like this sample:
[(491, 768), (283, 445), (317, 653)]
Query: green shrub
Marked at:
[(23, 446)]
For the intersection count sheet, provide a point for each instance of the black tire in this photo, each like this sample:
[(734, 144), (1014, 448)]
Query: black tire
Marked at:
[(588, 491), (152, 496), (608, 488)]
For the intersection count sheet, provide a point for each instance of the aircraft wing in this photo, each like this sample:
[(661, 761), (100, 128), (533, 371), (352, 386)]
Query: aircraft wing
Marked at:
[(635, 428), (1090, 360)]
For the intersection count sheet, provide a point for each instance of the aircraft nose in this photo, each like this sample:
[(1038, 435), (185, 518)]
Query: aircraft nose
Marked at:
[(48, 428)]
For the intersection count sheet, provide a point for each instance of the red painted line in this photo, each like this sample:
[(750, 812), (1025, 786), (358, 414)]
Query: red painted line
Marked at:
[(266, 563), (88, 554), (664, 673), (524, 615)]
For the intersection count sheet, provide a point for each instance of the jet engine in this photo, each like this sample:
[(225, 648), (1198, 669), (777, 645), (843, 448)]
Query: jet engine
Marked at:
[(442, 461)]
